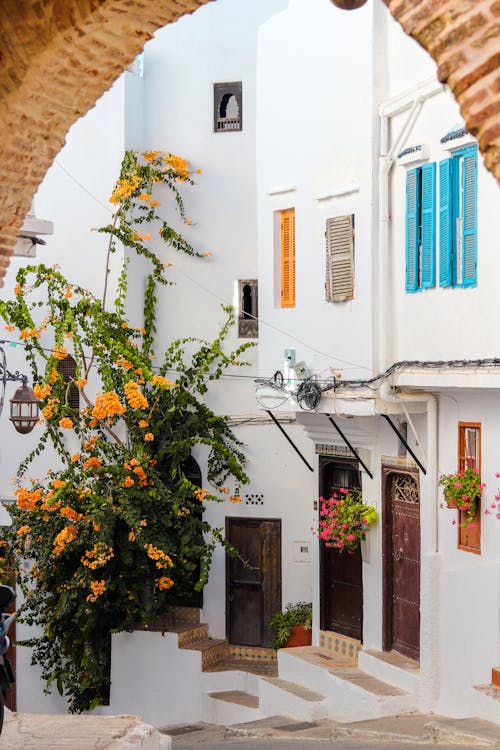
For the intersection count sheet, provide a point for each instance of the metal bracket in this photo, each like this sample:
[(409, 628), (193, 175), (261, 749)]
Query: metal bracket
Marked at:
[(405, 443), (353, 450), (280, 428)]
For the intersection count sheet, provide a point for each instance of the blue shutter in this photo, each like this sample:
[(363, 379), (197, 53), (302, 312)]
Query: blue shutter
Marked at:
[(428, 238), (412, 212), (445, 223), (469, 218)]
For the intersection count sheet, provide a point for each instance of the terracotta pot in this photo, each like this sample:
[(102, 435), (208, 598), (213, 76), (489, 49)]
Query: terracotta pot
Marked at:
[(299, 637), (348, 4), (451, 504)]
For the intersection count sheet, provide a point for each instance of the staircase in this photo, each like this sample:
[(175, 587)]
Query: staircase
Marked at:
[(243, 684)]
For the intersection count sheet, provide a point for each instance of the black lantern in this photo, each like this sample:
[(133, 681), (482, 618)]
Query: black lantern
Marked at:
[(24, 409)]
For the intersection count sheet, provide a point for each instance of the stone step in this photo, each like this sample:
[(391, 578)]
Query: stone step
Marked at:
[(232, 707), (212, 650), (392, 668), (279, 696), (252, 653), (351, 694), (486, 703)]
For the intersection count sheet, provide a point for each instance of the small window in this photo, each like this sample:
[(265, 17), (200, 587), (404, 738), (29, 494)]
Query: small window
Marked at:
[(420, 228), (469, 454), (228, 107), (287, 257), (458, 219), (339, 284), (67, 368), (248, 324)]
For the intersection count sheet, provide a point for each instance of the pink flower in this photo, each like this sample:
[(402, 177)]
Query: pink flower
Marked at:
[(454, 520), (441, 505), (350, 538), (345, 525), (476, 470), (343, 491), (457, 485), (465, 497), (497, 474), (493, 505), (471, 525), (486, 512), (363, 520)]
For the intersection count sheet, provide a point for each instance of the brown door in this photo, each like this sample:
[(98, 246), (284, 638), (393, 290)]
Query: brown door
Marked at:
[(401, 562), (253, 579), (341, 573)]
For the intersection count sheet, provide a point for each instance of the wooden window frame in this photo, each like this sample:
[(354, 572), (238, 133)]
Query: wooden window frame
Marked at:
[(462, 541), (287, 259)]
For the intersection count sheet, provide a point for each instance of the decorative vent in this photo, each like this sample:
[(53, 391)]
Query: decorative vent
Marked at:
[(254, 499), (227, 107), (339, 285)]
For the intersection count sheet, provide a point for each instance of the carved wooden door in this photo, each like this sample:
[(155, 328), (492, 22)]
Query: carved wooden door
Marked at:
[(341, 572), (402, 564), (253, 580)]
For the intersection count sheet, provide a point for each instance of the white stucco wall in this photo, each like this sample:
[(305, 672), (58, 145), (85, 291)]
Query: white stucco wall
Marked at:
[(314, 138)]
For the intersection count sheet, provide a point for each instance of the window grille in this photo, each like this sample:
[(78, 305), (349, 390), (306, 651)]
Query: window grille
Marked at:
[(67, 368), (248, 324)]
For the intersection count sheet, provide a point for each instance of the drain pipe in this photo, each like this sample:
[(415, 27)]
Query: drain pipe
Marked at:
[(430, 558), (387, 159)]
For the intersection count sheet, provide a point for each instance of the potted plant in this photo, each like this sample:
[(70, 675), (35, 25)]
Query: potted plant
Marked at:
[(344, 519), (462, 490), (292, 627)]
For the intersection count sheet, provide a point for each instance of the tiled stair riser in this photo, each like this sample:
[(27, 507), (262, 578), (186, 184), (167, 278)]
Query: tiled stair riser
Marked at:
[(192, 636), (252, 653), (340, 645), (210, 657)]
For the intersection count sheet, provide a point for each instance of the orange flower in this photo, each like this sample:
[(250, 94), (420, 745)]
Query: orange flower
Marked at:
[(71, 514), (58, 483), (149, 437), (81, 383), (128, 481), (131, 536), (75, 457), (154, 203), (143, 423), (66, 423), (18, 290), (161, 381), (60, 352), (135, 397), (68, 293), (42, 391), (164, 583), (107, 405), (10, 328), (92, 463)]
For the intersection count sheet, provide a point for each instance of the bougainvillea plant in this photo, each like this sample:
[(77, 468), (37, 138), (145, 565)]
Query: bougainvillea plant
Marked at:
[(113, 534), (462, 490), (344, 517)]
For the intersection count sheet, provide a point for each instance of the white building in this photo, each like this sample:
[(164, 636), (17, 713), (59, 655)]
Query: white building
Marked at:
[(324, 122)]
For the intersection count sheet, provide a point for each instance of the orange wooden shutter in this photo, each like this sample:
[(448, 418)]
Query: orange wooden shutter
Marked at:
[(288, 258)]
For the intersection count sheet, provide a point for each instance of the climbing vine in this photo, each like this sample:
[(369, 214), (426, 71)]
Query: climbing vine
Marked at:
[(113, 534)]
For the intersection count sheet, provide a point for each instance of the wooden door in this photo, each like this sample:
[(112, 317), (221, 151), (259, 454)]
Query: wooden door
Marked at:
[(401, 562), (341, 577), (253, 580), (8, 577)]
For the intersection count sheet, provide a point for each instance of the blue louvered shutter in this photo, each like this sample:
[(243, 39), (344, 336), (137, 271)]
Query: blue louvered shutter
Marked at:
[(412, 212), (469, 218), (445, 223), (428, 238)]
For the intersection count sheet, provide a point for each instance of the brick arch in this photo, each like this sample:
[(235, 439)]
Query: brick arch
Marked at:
[(57, 57), (463, 37)]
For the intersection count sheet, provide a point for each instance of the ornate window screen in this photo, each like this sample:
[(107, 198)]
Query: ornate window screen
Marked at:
[(228, 112), (248, 324)]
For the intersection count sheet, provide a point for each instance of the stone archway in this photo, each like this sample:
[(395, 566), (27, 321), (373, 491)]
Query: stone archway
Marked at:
[(58, 57)]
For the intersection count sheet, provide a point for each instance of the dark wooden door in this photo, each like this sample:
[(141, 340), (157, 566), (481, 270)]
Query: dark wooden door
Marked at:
[(253, 580), (341, 573), (402, 563)]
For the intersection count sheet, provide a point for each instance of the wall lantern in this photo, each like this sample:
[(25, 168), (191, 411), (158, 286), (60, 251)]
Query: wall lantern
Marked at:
[(348, 4), (24, 403)]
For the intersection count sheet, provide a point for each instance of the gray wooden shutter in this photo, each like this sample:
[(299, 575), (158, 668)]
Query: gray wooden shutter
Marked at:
[(339, 285)]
